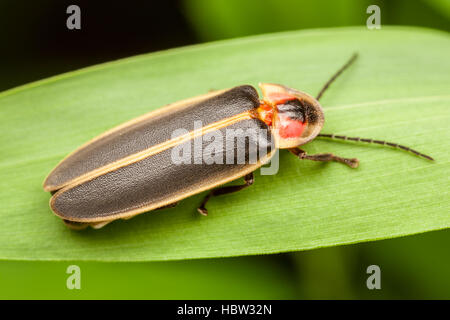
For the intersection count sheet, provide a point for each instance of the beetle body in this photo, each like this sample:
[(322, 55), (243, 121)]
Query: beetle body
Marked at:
[(136, 167), (129, 169)]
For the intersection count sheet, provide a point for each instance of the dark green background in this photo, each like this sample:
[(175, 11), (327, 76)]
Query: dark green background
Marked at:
[(411, 267), (36, 44)]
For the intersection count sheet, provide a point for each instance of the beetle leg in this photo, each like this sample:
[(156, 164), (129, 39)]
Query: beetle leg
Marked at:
[(224, 190), (301, 154)]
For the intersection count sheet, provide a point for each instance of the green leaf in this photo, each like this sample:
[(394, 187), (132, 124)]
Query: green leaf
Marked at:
[(397, 90)]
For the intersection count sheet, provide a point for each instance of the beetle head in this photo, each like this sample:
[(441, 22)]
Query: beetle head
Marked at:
[(294, 116)]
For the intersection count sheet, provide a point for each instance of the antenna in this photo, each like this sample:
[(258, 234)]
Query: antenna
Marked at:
[(337, 74), (384, 143), (358, 139)]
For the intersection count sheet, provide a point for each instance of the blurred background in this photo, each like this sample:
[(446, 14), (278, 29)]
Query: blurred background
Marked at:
[(36, 44)]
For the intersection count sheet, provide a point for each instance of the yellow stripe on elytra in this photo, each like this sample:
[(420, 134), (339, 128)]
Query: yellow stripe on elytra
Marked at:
[(138, 210), (168, 108), (156, 149)]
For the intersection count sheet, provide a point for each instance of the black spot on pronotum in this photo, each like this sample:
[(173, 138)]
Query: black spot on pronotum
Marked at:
[(292, 109)]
